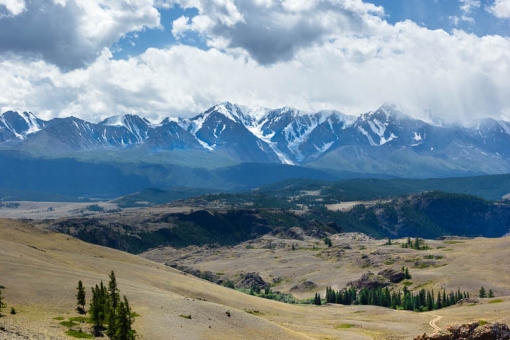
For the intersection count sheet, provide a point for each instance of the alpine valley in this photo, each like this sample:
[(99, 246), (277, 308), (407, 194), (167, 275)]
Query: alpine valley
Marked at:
[(233, 147)]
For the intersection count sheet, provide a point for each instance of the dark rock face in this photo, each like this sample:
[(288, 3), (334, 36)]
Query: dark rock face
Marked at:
[(393, 275), (250, 280), (289, 234), (471, 331), (315, 229), (370, 281)]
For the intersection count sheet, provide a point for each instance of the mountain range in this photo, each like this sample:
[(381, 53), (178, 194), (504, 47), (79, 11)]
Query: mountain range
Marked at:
[(228, 145), (385, 141)]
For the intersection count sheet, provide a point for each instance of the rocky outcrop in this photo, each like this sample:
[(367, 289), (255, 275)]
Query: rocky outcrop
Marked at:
[(250, 280), (371, 281), (395, 276), (471, 331), (315, 229), (294, 233)]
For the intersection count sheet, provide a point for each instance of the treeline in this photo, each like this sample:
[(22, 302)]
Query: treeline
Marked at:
[(427, 215), (424, 300), (268, 293), (200, 227)]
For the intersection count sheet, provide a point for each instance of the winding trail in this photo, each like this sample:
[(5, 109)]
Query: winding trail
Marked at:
[(432, 323)]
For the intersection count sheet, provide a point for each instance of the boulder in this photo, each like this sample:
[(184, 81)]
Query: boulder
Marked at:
[(471, 331)]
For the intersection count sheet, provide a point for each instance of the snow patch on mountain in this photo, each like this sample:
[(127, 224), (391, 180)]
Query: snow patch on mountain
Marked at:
[(369, 137), (505, 126), (377, 127), (257, 132), (32, 125), (31, 120), (387, 140), (114, 121), (417, 136)]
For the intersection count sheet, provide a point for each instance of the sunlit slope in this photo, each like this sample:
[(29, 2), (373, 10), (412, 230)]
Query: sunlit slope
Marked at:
[(40, 271)]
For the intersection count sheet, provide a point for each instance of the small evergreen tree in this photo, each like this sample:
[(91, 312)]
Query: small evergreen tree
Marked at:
[(491, 293), (328, 242), (482, 293), (2, 304), (114, 299), (123, 322), (99, 306), (80, 298)]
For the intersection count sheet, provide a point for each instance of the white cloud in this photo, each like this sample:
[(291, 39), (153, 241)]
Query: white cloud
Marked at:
[(72, 33), (501, 9), (274, 31), (15, 7), (454, 75), (340, 54), (467, 7)]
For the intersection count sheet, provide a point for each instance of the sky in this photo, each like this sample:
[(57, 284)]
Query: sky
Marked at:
[(92, 59)]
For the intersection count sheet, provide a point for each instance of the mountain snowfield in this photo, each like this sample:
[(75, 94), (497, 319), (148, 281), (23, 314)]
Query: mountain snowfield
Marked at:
[(382, 141)]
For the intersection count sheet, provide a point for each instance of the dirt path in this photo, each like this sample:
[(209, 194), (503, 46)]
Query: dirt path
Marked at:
[(432, 323)]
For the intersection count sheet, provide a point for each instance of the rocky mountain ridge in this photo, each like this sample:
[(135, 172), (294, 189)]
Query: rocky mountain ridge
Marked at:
[(383, 141)]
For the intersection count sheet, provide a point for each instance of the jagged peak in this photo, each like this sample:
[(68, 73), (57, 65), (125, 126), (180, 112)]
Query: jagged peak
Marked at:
[(29, 123), (124, 120), (386, 112)]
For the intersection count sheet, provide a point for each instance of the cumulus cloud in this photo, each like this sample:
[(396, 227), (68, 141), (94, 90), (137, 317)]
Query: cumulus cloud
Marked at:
[(466, 7), (334, 54), (13, 7), (70, 33), (454, 75), (501, 9), (271, 31)]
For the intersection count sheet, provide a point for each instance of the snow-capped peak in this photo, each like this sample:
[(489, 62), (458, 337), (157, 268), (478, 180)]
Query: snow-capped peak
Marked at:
[(21, 124)]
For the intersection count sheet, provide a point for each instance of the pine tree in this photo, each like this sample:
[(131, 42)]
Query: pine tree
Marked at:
[(114, 299), (80, 298), (439, 302), (123, 322), (2, 304), (482, 293), (317, 300), (99, 306), (491, 293)]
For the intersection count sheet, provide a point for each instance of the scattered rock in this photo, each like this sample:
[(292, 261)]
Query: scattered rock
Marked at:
[(471, 331), (250, 280), (449, 238), (206, 275), (304, 287), (467, 300)]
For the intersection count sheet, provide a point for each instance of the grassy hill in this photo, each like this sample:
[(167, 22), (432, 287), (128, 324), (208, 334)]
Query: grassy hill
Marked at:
[(39, 271)]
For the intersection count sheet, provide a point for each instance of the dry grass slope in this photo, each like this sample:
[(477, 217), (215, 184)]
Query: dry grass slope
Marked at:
[(40, 270)]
